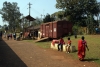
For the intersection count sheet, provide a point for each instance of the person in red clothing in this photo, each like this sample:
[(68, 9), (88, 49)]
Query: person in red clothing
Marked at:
[(82, 45), (60, 45), (68, 45)]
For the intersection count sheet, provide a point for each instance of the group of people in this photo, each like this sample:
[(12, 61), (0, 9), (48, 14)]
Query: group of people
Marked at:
[(82, 45), (61, 42), (10, 35)]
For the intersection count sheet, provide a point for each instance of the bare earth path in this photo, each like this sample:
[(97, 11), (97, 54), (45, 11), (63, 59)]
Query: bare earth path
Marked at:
[(25, 54)]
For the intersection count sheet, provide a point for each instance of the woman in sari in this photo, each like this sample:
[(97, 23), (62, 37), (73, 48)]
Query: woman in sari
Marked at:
[(82, 45)]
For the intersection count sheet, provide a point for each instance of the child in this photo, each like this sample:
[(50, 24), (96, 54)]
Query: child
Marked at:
[(68, 45), (61, 42)]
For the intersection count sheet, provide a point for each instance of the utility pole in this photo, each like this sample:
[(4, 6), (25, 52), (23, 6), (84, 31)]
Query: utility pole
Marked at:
[(29, 11), (42, 15), (29, 7), (29, 19)]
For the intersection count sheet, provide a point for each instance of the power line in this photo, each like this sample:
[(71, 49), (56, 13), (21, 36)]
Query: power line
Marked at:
[(26, 4), (34, 1), (42, 15), (36, 11)]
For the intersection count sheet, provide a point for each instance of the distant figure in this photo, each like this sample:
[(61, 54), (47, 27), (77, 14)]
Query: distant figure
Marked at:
[(14, 35), (11, 35), (96, 29), (60, 45), (0, 35), (68, 45), (8, 35), (75, 34), (29, 35), (21, 34), (5, 34), (82, 45)]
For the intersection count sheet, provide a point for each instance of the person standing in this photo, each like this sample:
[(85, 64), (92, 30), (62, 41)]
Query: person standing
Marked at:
[(21, 34), (82, 45), (5, 34), (8, 35), (0, 35), (11, 35), (14, 35), (68, 45), (75, 34), (60, 45)]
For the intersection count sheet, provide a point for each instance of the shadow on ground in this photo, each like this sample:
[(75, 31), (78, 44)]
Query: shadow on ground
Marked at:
[(8, 57), (90, 59)]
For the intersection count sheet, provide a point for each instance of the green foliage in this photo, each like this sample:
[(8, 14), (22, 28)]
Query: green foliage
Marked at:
[(43, 44), (0, 26), (48, 18), (69, 34), (78, 10), (92, 41), (4, 28), (59, 15), (25, 23), (93, 44), (90, 24), (75, 28), (38, 21), (10, 13)]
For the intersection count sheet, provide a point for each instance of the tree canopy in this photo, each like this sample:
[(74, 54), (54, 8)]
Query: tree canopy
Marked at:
[(10, 14), (80, 12), (78, 9), (48, 18)]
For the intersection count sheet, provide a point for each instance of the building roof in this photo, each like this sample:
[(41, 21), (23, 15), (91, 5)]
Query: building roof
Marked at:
[(30, 18), (33, 27)]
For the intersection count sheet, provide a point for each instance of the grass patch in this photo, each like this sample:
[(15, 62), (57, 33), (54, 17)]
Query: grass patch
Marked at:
[(93, 42), (44, 44)]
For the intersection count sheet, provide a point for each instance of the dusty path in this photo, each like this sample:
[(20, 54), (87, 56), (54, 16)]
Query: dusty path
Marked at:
[(25, 54)]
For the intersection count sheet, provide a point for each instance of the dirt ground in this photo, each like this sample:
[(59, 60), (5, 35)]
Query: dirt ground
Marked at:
[(25, 54)]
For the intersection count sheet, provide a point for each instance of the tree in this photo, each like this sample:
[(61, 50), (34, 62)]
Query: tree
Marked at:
[(0, 26), (5, 27), (38, 21), (80, 12), (25, 23), (98, 13), (10, 13), (58, 15), (48, 18)]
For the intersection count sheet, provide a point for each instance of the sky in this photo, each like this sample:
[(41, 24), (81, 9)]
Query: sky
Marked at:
[(38, 7)]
